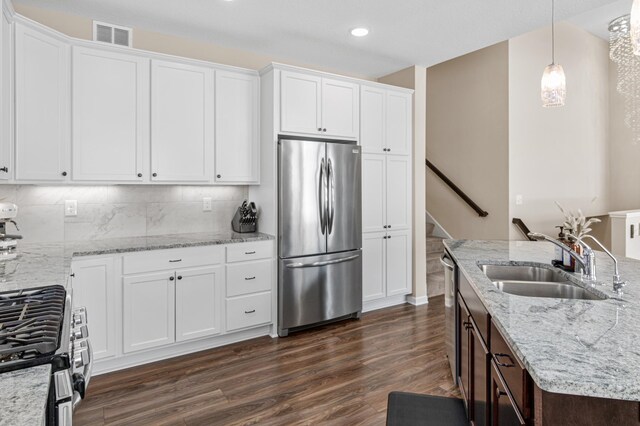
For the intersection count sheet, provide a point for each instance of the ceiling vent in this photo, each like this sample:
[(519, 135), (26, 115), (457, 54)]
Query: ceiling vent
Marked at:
[(112, 34)]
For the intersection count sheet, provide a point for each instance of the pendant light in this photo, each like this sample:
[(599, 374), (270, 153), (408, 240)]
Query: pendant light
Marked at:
[(635, 26), (553, 85)]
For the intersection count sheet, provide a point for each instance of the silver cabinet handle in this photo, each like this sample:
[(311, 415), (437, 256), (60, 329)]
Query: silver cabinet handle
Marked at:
[(444, 259), (324, 263)]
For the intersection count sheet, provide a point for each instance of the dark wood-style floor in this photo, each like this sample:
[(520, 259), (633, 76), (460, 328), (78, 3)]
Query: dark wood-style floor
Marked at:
[(337, 374)]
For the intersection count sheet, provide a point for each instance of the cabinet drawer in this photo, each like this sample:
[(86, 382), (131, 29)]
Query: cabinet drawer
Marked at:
[(250, 277), (515, 376), (248, 311), (250, 251), (158, 260), (475, 306)]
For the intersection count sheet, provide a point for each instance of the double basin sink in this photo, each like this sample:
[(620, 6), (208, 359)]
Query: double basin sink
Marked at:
[(535, 281)]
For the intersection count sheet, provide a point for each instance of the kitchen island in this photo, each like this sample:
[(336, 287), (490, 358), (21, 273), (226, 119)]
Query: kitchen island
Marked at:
[(23, 393), (580, 358)]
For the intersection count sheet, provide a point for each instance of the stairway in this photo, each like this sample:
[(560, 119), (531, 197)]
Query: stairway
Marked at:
[(435, 270)]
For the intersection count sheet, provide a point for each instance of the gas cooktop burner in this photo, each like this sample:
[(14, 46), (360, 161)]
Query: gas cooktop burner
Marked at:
[(30, 326)]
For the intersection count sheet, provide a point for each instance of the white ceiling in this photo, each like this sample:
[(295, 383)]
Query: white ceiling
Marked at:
[(596, 21), (403, 32)]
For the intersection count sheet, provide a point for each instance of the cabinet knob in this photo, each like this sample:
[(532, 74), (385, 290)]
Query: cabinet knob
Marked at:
[(388, 149), (389, 236), (384, 238), (389, 226), (171, 278), (179, 277), (4, 169), (139, 174), (319, 129), (64, 173), (154, 175), (384, 226), (218, 176), (324, 130)]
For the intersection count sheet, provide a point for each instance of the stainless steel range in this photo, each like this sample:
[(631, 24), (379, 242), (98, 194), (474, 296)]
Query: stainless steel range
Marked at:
[(38, 327)]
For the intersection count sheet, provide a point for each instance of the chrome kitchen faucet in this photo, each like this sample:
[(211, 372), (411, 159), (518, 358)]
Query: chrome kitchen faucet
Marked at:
[(588, 261)]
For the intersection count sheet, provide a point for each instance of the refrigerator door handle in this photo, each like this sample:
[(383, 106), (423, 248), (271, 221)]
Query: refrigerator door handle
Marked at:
[(331, 196), (324, 263), (322, 198)]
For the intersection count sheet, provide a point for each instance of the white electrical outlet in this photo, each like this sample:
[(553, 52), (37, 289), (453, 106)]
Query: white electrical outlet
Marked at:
[(206, 204), (519, 200), (71, 208)]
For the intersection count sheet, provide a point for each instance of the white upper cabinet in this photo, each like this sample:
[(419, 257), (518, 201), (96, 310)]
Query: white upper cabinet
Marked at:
[(237, 154), (42, 106), (300, 103), (182, 122), (318, 106), (110, 115), (340, 104), (372, 119), (398, 123), (6, 98), (385, 121)]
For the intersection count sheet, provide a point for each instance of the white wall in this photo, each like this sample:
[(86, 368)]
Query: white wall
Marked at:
[(120, 211), (558, 154)]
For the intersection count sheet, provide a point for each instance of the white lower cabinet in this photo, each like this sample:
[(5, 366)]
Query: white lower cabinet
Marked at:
[(93, 284), (198, 302), (155, 304), (248, 311), (148, 311), (386, 264)]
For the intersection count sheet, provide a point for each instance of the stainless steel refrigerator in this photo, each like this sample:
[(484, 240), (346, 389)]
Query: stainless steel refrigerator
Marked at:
[(319, 232)]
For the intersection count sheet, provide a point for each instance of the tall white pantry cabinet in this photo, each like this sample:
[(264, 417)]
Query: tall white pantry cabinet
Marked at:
[(386, 136)]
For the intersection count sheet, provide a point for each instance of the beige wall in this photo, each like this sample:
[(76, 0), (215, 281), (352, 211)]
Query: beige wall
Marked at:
[(82, 28), (558, 154), (625, 153), (415, 78), (467, 139)]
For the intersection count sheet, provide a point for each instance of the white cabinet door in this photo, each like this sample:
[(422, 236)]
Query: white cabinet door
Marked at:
[(398, 193), (198, 302), (94, 288), (340, 109), (148, 311), (237, 154), (399, 123), (373, 266), (42, 106), (398, 273), (6, 97), (372, 119), (110, 115), (373, 192), (300, 103), (182, 122)]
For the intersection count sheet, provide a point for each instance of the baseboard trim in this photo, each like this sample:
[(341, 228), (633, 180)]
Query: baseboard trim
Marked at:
[(417, 301), (385, 302)]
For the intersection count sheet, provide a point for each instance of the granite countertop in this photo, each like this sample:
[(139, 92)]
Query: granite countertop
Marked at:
[(23, 396), (577, 347), (41, 264), (23, 393)]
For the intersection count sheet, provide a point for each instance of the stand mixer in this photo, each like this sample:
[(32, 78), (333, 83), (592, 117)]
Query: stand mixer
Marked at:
[(8, 242)]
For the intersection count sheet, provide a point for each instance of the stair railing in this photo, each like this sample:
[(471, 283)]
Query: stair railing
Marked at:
[(456, 189)]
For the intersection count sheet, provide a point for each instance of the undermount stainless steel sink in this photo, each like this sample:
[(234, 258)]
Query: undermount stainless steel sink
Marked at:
[(522, 273), (535, 281)]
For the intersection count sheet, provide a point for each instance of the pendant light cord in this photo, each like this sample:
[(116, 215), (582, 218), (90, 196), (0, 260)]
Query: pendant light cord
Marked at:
[(553, 33)]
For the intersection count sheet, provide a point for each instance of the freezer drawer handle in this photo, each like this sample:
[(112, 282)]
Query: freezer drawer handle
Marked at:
[(327, 262)]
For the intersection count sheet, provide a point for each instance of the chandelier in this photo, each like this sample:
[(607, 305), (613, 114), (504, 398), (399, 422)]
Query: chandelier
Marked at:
[(628, 65)]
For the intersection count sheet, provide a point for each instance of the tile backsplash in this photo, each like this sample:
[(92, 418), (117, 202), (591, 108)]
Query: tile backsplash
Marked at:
[(120, 211)]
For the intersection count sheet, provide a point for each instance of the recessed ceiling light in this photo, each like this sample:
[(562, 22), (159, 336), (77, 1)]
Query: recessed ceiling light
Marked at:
[(359, 32)]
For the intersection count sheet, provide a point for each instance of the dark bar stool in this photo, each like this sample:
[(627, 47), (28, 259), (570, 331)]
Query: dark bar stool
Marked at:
[(412, 409)]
